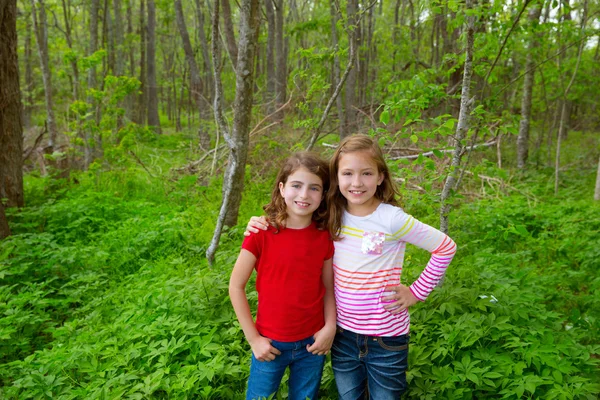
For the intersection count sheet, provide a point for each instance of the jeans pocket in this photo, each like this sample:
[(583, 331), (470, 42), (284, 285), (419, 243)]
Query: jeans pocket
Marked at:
[(393, 343)]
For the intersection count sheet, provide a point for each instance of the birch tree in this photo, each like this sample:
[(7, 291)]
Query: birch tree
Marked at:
[(237, 140), (462, 126)]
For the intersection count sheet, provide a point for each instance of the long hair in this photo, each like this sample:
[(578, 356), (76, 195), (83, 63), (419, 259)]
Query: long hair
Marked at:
[(386, 191), (276, 210)]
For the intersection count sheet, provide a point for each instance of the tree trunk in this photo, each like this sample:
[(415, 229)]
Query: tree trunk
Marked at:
[(153, 118), (118, 39), (11, 126), (143, 97), (229, 33), (281, 57), (597, 190), (40, 28), (354, 34), (270, 56), (233, 184), (4, 229), (88, 137), (68, 36), (523, 138), (336, 69), (195, 82), (28, 90), (208, 78), (462, 126), (565, 103)]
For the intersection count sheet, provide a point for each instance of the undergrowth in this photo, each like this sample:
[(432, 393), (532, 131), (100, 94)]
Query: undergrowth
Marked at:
[(105, 292)]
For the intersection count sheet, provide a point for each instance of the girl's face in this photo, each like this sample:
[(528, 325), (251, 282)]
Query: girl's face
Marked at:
[(358, 178), (302, 193)]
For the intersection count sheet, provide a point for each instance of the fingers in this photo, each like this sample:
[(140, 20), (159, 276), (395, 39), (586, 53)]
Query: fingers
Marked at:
[(269, 356), (317, 350)]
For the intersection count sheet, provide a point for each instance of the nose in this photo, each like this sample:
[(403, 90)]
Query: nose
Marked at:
[(304, 193), (356, 181)]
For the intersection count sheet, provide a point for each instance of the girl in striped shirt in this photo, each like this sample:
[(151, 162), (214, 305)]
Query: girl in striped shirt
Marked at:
[(370, 349)]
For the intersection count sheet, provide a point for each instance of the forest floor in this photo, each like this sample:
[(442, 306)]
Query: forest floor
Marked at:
[(105, 292)]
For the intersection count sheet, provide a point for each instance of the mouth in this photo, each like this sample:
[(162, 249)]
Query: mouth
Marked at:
[(356, 192), (302, 204)]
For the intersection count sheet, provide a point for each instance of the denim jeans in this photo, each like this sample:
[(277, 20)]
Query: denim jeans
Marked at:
[(369, 365), (305, 372)]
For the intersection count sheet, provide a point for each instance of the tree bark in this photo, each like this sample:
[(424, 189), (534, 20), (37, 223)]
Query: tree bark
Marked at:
[(118, 39), (208, 71), (270, 57), (153, 118), (523, 138), (354, 35), (336, 69), (11, 126), (40, 28), (4, 229), (565, 103), (28, 90), (462, 126), (281, 57), (195, 81), (142, 106), (88, 156), (597, 190), (68, 36), (229, 33), (237, 142)]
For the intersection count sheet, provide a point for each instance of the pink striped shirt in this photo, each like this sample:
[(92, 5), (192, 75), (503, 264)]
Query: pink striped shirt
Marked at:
[(369, 257)]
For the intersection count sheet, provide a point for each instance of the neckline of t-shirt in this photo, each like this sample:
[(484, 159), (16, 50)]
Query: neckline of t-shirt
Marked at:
[(366, 216), (301, 229)]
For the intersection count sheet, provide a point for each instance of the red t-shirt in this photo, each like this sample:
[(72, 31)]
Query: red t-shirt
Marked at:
[(289, 283)]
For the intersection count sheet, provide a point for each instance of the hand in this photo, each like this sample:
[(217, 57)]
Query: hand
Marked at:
[(263, 350), (323, 341), (255, 224), (400, 299)]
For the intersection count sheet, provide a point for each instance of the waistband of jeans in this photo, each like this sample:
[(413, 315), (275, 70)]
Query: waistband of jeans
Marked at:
[(342, 330)]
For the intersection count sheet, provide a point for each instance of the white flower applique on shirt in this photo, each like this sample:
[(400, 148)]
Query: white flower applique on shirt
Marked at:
[(372, 242)]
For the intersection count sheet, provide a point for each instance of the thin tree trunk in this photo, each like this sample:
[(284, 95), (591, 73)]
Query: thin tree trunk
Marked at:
[(270, 56), (523, 138), (597, 190), (351, 11), (229, 33), (233, 184), (153, 118), (462, 126), (40, 28), (143, 98), (208, 71), (91, 80), (336, 69), (68, 37), (28, 90), (118, 38), (280, 57), (195, 82), (565, 108), (11, 125)]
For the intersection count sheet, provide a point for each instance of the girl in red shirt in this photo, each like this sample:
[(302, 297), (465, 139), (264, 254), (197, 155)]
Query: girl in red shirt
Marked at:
[(296, 317)]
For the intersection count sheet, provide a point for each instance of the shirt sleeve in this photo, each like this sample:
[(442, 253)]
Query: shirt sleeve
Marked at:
[(330, 249), (252, 244), (440, 245)]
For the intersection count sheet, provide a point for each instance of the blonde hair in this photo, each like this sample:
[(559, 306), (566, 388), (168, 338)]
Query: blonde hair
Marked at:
[(386, 191), (276, 210)]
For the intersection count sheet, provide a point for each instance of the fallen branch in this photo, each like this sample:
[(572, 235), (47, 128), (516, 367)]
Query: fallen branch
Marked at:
[(430, 153), (27, 152)]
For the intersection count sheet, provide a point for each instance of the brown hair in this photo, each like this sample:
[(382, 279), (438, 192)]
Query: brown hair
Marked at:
[(386, 191), (276, 210)]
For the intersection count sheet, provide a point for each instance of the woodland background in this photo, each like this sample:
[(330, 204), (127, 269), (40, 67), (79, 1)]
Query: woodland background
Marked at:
[(135, 133)]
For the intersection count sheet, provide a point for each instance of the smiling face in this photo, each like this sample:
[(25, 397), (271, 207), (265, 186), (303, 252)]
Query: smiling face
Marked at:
[(358, 178), (303, 193)]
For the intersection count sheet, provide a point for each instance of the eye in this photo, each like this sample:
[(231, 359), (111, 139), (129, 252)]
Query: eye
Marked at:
[(315, 189), (368, 173), (345, 173), (296, 186)]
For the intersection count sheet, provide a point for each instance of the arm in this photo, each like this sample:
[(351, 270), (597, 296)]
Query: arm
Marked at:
[(261, 346), (255, 224), (324, 337), (442, 250)]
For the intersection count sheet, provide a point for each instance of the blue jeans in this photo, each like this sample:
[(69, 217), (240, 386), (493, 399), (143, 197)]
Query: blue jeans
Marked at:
[(369, 365), (305, 372)]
